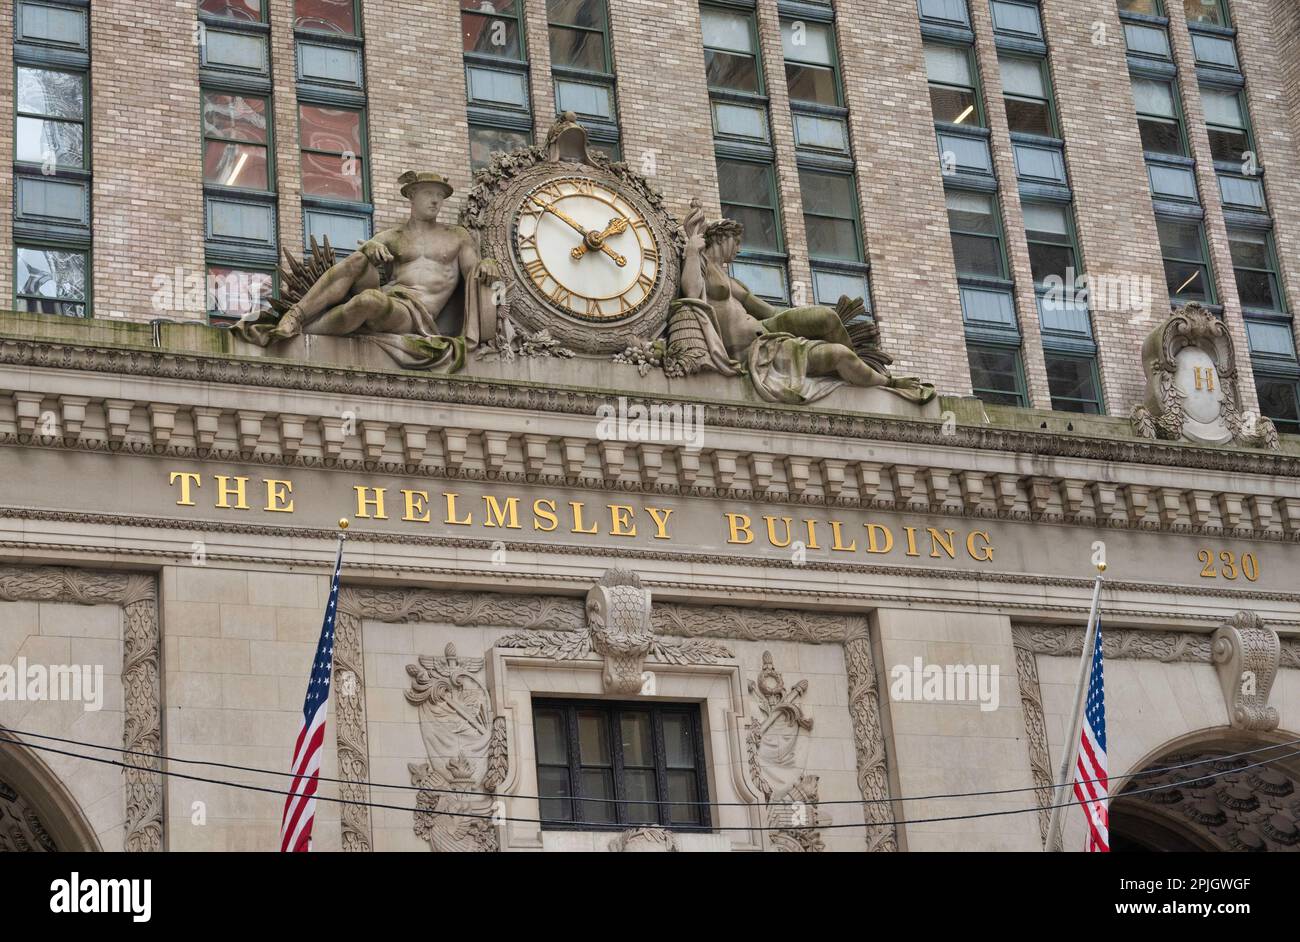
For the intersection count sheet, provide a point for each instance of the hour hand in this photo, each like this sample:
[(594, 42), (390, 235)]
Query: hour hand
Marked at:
[(596, 240)]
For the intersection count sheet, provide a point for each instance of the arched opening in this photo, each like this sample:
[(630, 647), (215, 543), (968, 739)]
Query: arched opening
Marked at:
[(37, 812), (1216, 804)]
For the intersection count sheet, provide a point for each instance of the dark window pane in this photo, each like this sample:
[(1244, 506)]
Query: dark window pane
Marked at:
[(1278, 401), (1228, 145), (682, 788), (953, 105), (234, 118), (727, 70), (1186, 281), (1205, 11), (51, 94), (1046, 260), (333, 176), (1249, 249), (336, 130), (1256, 289), (811, 83), (1160, 137), (640, 788), (976, 255), (484, 142), (552, 743), (578, 49), (235, 294), (638, 747), (1072, 384), (995, 375), (1180, 240), (51, 274), (598, 783), (971, 212), (328, 16), (828, 194), (246, 10), (589, 13), (741, 181), (1029, 117), (553, 789), (760, 227), (679, 741), (832, 238), (593, 738), (241, 165), (490, 35), (1150, 7)]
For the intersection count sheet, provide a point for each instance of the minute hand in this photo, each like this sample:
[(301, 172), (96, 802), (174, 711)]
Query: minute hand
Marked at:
[(560, 214)]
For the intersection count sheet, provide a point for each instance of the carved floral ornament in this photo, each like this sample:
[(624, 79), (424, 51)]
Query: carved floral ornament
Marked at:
[(1192, 394)]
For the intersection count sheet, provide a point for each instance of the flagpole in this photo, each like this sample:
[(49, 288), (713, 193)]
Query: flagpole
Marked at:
[(1065, 778), (338, 557)]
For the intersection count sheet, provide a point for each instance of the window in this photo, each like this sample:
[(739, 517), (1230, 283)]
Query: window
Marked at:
[(491, 28), (486, 141), (1017, 18), (249, 11), (810, 70), (1279, 400), (583, 68), (51, 281), (830, 214), (1148, 7), (1158, 116), (1210, 12), (1226, 122), (1024, 87), (496, 78), (730, 50), (976, 234), (1051, 243), (945, 11), (326, 16), (602, 764), (1072, 382), (49, 25), (996, 375), (748, 191), (235, 141), (234, 293), (331, 145), (952, 85), (1186, 271), (51, 116), (1254, 269)]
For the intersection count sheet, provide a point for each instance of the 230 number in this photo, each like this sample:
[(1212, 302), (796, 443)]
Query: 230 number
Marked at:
[(1229, 565)]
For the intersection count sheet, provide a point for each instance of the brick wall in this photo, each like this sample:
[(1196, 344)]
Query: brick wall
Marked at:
[(284, 99), (147, 154)]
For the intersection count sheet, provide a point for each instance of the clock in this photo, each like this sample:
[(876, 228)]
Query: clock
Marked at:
[(589, 253), (586, 249)]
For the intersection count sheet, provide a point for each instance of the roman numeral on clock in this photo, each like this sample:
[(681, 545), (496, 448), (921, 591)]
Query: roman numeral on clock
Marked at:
[(561, 296), (536, 269)]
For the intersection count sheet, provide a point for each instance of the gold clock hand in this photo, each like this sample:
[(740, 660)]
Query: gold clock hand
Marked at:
[(616, 226), (559, 214)]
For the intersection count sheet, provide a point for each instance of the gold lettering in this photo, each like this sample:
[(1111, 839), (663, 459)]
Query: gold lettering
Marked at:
[(736, 527), (279, 496), (837, 539), (936, 541), (186, 478), (576, 506), (417, 506), (812, 534), (496, 516), (985, 553), (661, 523), (451, 512), (873, 544), (771, 531), (620, 520), (364, 502), (225, 491), (911, 541), (547, 515)]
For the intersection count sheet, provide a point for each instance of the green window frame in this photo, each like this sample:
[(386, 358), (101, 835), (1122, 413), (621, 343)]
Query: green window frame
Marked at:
[(1255, 269), (1073, 382), (238, 291), (1160, 115), (36, 114), (475, 24), (1227, 120), (1279, 398), (26, 31), (64, 300), (346, 16), (811, 78), (954, 87), (1027, 95), (612, 765), (242, 146), (747, 203), (322, 156), (831, 216), (731, 47), (1144, 7), (558, 27), (1052, 240), (997, 373), (972, 238), (1187, 261)]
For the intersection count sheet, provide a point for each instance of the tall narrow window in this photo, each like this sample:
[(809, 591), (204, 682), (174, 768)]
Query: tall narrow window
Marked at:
[(496, 78), (236, 135), (952, 85), (51, 236), (1024, 90), (1209, 12), (976, 234), (582, 66), (1226, 122), (1254, 269), (1159, 120), (1051, 243), (1187, 272)]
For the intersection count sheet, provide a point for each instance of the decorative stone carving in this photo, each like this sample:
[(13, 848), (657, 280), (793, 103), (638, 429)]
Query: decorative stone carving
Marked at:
[(350, 731), (466, 748), (1192, 394), (620, 629), (644, 840), (1247, 653), (20, 828), (777, 760), (1040, 763)]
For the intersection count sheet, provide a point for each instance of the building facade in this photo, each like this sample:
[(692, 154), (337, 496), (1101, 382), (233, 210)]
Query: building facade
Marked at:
[(609, 583)]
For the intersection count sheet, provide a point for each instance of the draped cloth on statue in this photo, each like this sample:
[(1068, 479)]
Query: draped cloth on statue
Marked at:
[(778, 368)]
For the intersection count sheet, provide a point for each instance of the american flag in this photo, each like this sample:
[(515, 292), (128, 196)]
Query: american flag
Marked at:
[(1091, 787), (300, 803)]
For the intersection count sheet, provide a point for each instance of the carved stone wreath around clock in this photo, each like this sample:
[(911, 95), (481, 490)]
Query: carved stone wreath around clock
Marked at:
[(588, 250)]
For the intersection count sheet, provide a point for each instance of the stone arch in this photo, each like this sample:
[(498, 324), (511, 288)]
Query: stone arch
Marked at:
[(1255, 809), (37, 812)]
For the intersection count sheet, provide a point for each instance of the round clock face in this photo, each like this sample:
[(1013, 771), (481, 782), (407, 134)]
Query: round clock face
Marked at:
[(585, 249)]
